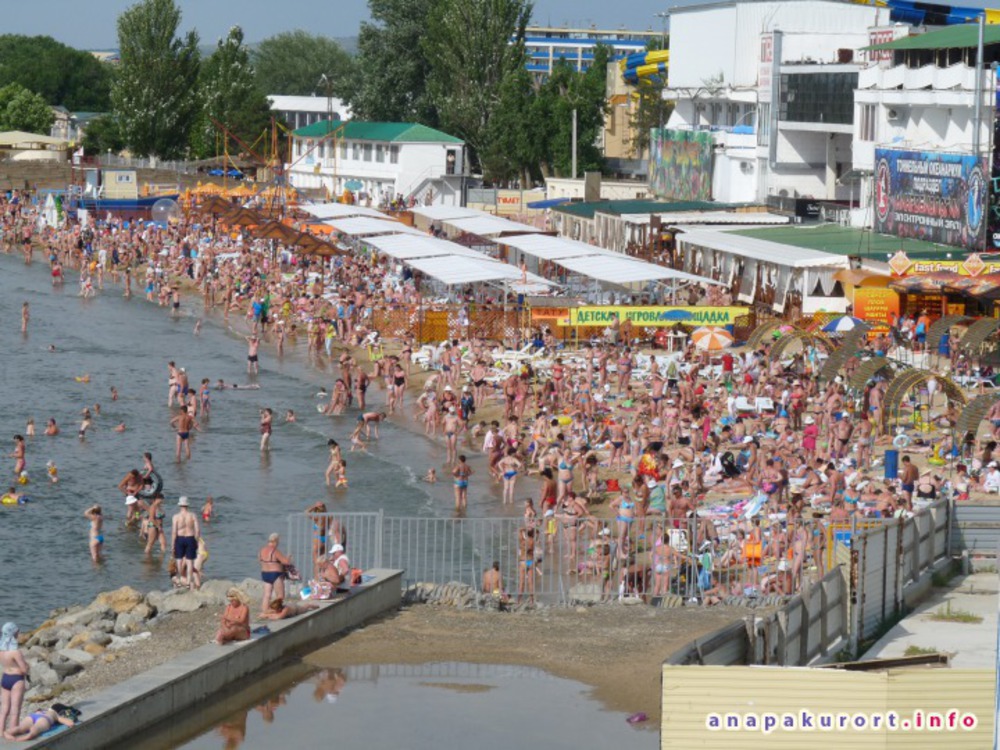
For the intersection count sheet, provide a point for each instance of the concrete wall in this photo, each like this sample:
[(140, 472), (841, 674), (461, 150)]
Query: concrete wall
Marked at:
[(121, 712)]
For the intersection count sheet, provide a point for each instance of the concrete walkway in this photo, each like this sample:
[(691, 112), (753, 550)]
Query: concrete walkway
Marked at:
[(970, 645)]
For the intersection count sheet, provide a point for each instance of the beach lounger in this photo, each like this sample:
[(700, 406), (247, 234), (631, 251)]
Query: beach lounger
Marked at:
[(743, 405)]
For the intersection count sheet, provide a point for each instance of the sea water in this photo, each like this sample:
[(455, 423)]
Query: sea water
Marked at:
[(127, 344)]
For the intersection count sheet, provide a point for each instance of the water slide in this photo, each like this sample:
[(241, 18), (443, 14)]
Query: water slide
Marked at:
[(645, 67), (932, 14)]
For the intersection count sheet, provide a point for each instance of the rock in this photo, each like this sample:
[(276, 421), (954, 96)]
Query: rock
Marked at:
[(155, 599), (586, 592), (631, 601), (117, 642), (213, 592), (67, 667), (99, 638), (94, 649), (120, 600), (36, 653), (75, 654), (86, 616), (142, 611), (104, 626), (128, 624), (42, 674), (182, 601)]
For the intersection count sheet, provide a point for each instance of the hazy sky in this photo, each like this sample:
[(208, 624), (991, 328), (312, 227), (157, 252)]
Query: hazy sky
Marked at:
[(90, 24)]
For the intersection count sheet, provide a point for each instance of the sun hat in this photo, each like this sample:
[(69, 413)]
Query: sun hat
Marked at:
[(131, 500), (336, 548), (747, 439), (8, 637), (809, 420), (183, 502), (677, 464), (651, 483)]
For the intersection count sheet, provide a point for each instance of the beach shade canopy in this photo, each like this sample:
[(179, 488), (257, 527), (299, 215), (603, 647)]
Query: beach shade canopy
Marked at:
[(215, 205), (842, 324), (275, 230), (242, 217), (712, 338), (323, 249)]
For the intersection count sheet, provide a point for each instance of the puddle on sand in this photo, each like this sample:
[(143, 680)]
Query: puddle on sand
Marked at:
[(439, 705)]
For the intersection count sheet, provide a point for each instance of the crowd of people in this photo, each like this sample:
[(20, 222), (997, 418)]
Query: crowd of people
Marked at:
[(701, 473)]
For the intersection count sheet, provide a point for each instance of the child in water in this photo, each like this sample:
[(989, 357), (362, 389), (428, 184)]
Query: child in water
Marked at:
[(29, 428), (341, 474), (431, 476), (53, 471), (207, 509)]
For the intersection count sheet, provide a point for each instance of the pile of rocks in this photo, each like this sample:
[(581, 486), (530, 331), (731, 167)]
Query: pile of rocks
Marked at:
[(71, 639)]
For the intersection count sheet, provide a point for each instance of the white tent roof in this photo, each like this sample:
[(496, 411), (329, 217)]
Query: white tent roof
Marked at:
[(361, 226), (763, 250), (457, 269), (618, 269), (485, 226), (405, 246), (340, 211), (440, 213), (547, 247), (709, 217)]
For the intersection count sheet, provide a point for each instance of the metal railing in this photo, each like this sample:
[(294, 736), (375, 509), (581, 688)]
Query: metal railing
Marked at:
[(564, 559)]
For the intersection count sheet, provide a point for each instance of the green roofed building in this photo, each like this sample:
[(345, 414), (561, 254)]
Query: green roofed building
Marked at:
[(378, 162)]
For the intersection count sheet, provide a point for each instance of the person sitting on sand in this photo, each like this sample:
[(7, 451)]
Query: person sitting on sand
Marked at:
[(282, 610), (235, 620)]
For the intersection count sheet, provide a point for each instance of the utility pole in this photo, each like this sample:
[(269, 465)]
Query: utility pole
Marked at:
[(574, 144)]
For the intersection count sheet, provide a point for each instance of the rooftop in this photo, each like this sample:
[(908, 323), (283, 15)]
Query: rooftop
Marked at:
[(392, 132), (833, 238), (619, 207), (962, 36)]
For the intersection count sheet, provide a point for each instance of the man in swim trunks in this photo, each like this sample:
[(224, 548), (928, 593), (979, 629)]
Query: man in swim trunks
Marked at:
[(253, 345), (184, 531), (183, 423)]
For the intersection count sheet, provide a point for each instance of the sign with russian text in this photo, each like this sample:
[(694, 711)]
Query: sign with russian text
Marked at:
[(931, 196), (654, 317), (875, 304)]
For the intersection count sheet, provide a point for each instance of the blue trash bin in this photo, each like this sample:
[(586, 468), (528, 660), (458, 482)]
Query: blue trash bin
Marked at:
[(891, 464)]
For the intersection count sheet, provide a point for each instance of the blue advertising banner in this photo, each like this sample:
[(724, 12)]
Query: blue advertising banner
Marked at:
[(931, 196)]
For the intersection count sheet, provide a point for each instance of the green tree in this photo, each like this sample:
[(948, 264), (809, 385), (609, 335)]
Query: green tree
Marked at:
[(515, 142), (474, 47), (392, 69), (230, 97), (21, 109), (154, 94), (565, 91), (102, 135), (291, 63), (59, 74)]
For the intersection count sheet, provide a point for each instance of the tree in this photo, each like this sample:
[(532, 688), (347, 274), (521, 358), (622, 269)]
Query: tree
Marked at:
[(154, 94), (59, 74), (473, 47), (392, 69), (291, 63), (21, 109), (102, 135), (515, 142), (230, 96), (565, 91)]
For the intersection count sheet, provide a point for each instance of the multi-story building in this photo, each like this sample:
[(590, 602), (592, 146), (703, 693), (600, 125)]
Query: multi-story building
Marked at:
[(300, 111), (768, 114), (379, 161), (547, 45)]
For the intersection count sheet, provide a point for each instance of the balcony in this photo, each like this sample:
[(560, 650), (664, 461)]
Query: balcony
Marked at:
[(955, 77)]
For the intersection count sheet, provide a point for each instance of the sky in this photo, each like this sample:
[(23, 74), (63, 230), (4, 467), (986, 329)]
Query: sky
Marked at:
[(91, 24)]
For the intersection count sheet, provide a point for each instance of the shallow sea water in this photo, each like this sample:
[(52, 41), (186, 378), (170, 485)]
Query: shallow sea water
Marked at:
[(126, 344)]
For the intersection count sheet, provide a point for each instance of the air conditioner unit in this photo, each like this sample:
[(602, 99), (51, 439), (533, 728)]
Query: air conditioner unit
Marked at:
[(891, 115)]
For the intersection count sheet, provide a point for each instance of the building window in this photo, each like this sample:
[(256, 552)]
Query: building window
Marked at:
[(866, 122), (321, 150), (368, 152), (763, 123), (818, 97), (343, 149), (356, 151), (379, 153), (394, 154)]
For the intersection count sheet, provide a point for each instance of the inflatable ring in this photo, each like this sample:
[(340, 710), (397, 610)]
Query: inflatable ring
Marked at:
[(153, 489), (901, 441), (564, 420), (8, 500), (937, 461)]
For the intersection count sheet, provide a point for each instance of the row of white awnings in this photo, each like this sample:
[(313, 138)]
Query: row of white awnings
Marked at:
[(595, 262), (324, 211), (448, 262), (708, 217), (763, 251)]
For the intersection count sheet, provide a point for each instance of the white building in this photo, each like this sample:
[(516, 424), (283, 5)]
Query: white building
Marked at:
[(916, 102), (379, 161), (300, 111), (776, 92)]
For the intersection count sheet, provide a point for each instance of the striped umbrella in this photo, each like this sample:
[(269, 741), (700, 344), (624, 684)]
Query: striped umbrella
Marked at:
[(712, 338), (842, 324)]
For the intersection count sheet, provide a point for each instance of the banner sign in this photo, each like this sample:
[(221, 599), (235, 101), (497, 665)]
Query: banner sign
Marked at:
[(681, 164), (930, 196), (654, 317), (875, 304)]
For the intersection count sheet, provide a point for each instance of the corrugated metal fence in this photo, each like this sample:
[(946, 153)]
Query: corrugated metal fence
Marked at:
[(976, 529)]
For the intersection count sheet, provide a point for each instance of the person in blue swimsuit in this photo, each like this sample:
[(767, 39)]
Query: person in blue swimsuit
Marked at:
[(38, 723), (13, 683), (93, 514), (461, 474)]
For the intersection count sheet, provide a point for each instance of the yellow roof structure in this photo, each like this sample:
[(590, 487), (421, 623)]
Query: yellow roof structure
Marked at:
[(20, 139)]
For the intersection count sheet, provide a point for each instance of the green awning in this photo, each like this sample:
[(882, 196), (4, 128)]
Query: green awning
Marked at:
[(951, 37)]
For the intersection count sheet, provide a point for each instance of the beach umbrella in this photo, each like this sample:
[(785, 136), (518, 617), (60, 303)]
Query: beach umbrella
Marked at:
[(842, 324), (215, 205), (242, 217), (712, 338), (275, 230)]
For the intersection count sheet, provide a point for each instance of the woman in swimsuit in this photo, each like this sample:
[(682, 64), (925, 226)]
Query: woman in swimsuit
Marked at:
[(154, 525), (235, 620), (624, 513), (565, 474), (399, 382), (38, 723), (93, 514), (266, 420), (272, 570), (510, 465), (548, 501), (15, 675)]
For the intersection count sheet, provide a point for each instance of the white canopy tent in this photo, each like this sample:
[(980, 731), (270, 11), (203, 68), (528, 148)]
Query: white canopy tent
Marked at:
[(708, 217), (452, 270), (340, 211), (488, 226), (362, 226), (440, 213), (406, 246), (621, 270), (547, 247), (762, 250)]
